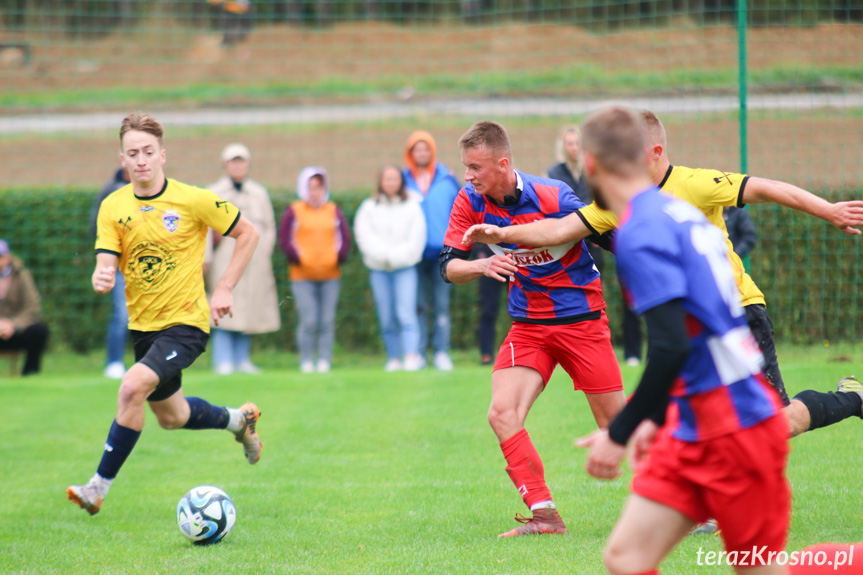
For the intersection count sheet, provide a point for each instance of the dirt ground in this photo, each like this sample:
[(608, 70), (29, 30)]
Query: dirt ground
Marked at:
[(819, 151), (162, 52)]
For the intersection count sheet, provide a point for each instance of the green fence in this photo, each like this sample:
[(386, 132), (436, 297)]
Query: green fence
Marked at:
[(343, 83), (812, 289)]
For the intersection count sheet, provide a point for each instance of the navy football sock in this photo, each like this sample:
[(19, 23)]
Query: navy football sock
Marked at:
[(204, 415), (829, 408), (121, 441)]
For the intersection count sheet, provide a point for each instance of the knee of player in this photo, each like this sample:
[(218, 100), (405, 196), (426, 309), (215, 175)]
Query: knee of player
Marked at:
[(500, 416), (170, 421), (132, 392), (615, 558)]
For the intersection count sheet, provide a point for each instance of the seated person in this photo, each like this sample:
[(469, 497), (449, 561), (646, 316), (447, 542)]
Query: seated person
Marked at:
[(20, 328)]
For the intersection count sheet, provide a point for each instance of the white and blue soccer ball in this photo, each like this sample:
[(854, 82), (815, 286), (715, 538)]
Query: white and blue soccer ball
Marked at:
[(206, 515)]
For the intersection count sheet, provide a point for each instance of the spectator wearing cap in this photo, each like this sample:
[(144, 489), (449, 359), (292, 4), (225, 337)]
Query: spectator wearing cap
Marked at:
[(315, 238), (256, 301), (118, 325), (20, 325)]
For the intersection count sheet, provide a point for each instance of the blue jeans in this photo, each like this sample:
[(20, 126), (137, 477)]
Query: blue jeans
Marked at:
[(118, 325), (430, 281), (231, 347), (395, 296), (316, 312)]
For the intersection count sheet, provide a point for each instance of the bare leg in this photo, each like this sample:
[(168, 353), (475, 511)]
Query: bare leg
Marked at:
[(605, 406), (798, 418), (513, 391), (172, 413), (138, 383), (646, 532)]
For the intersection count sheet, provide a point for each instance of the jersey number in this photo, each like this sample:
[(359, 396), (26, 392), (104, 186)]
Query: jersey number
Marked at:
[(708, 241)]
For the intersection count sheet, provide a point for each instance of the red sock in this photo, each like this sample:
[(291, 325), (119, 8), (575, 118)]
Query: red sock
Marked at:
[(525, 468), (833, 558)]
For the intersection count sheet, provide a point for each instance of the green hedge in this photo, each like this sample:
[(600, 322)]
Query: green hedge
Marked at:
[(807, 270), (48, 229)]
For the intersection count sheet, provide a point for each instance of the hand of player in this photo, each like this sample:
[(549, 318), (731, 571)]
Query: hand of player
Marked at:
[(847, 216), (7, 328), (498, 267), (484, 234), (104, 279), (222, 304), (641, 440), (603, 461)]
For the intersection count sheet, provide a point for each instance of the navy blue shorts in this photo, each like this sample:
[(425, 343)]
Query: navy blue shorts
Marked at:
[(168, 352)]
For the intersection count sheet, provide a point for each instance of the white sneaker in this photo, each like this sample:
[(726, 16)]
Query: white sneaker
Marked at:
[(632, 362), (224, 368), (393, 365), (323, 366), (248, 367), (115, 370), (307, 367), (87, 496), (442, 361), (413, 363)]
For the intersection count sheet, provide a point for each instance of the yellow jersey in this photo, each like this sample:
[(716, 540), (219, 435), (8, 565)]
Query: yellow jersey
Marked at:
[(707, 190), (160, 241)]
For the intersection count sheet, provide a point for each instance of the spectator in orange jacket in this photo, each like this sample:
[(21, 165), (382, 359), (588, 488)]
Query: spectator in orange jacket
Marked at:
[(315, 237)]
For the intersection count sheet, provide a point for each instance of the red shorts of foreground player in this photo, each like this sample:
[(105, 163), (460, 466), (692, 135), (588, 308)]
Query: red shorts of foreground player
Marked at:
[(583, 349), (726, 478)]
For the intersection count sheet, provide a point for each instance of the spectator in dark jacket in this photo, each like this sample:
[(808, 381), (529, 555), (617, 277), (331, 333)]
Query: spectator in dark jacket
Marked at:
[(741, 232), (118, 325), (569, 171), (20, 326)]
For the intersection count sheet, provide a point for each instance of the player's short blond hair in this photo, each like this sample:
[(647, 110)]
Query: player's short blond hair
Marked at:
[(655, 129), (617, 138), (141, 122), (490, 135)]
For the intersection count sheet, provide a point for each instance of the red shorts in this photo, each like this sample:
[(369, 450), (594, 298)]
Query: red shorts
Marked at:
[(583, 349), (737, 479)]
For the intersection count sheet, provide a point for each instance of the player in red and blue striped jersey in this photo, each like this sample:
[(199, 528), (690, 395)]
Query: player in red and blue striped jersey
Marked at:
[(714, 427), (555, 300)]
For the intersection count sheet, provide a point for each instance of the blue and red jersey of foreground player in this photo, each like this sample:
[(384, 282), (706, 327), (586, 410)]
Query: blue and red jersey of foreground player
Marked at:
[(553, 284), (667, 250)]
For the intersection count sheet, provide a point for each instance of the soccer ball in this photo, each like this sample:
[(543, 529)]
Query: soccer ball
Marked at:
[(206, 515)]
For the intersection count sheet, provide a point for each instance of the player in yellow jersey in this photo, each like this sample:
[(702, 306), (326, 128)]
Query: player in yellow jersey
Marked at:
[(710, 191), (155, 231)]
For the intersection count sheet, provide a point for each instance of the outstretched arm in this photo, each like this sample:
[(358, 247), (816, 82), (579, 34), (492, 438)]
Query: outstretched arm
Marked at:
[(846, 216), (547, 232), (247, 235)]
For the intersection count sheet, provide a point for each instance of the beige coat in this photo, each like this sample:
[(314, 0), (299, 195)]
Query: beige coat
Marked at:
[(256, 301)]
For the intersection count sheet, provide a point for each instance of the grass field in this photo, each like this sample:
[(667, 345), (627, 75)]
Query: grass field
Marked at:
[(362, 472)]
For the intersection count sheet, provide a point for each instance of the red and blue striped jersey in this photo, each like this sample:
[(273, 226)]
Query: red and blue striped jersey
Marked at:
[(554, 284), (666, 250)]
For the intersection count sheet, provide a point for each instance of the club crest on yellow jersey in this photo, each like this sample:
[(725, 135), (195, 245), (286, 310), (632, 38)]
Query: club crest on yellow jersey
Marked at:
[(171, 219)]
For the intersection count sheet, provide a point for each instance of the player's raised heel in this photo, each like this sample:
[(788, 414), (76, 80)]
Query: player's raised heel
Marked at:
[(851, 384), (543, 521), (247, 435), (87, 496)]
